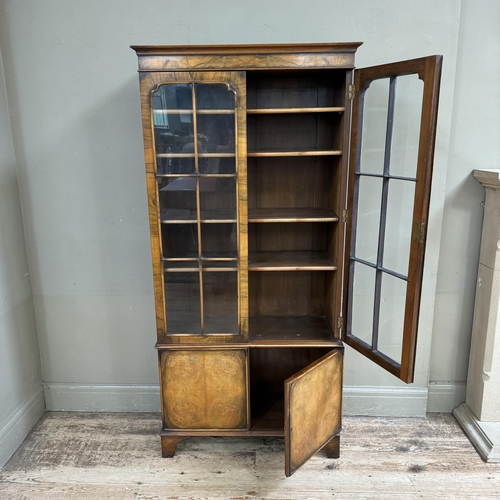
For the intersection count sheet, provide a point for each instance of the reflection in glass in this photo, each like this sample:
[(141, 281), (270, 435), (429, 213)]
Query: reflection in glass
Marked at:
[(173, 96), (177, 198), (362, 302), (173, 126), (190, 203), (398, 227), (174, 133), (368, 218), (220, 296), (406, 125), (216, 137), (179, 240), (392, 315), (219, 240), (376, 102), (213, 96), (182, 294), (217, 165), (218, 198), (175, 165)]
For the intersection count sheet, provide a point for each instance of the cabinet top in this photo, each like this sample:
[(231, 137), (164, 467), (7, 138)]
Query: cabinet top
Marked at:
[(268, 48), (246, 57)]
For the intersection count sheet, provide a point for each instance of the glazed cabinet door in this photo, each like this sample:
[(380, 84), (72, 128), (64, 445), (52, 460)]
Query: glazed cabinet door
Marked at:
[(313, 409), (195, 147), (393, 136)]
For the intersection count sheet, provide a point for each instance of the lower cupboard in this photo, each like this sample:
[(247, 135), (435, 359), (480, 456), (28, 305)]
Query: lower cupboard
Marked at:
[(295, 392)]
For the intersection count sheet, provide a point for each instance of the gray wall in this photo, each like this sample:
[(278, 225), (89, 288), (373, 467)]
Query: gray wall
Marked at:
[(73, 94), (21, 394), (474, 144)]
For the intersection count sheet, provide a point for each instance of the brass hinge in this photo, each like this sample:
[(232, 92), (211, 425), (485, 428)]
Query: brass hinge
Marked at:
[(418, 232), (345, 215), (340, 322), (352, 92)]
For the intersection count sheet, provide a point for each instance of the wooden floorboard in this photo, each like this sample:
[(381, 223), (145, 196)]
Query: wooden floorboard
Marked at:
[(99, 456)]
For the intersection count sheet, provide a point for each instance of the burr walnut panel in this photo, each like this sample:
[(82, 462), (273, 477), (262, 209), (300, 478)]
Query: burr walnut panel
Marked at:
[(313, 409), (204, 389)]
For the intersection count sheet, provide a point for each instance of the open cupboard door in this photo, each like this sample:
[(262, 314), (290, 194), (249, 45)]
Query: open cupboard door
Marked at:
[(392, 148), (313, 409)]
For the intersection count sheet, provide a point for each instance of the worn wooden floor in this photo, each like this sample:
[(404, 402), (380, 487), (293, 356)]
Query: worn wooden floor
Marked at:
[(117, 456)]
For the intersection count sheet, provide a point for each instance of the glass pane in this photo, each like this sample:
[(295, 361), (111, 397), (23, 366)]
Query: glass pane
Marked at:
[(175, 165), (368, 218), (184, 265), (173, 132), (177, 198), (213, 96), (220, 265), (362, 302), (392, 315), (218, 198), (173, 127), (406, 125), (215, 133), (219, 240), (179, 240), (217, 165), (173, 96), (398, 227), (220, 302), (182, 297), (375, 107)]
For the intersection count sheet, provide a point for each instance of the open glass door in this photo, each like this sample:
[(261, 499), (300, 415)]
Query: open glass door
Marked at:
[(313, 409), (392, 147)]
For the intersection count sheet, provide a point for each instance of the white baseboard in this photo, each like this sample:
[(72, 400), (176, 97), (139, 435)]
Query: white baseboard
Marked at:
[(485, 436), (444, 396), (385, 401), (377, 401), (102, 397), (19, 424)]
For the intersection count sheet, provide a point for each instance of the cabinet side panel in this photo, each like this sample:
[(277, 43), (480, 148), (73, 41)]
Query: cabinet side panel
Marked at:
[(204, 389)]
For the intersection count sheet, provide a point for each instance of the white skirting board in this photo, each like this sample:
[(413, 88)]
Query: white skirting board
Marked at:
[(485, 436), (376, 401), (444, 396), (15, 429)]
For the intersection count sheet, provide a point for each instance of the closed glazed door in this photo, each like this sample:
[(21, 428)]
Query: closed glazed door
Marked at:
[(197, 190)]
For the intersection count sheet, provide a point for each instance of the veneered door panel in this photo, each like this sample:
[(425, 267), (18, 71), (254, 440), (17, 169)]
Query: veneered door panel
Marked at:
[(313, 409)]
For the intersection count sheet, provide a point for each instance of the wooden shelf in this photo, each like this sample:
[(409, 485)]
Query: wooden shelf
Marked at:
[(291, 215), (269, 111), (192, 155), (190, 111), (300, 329), (281, 154), (290, 261)]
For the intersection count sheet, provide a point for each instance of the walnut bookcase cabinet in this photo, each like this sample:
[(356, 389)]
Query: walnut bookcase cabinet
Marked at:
[(288, 200)]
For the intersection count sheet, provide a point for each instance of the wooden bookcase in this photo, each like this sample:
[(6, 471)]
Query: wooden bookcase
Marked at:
[(283, 230)]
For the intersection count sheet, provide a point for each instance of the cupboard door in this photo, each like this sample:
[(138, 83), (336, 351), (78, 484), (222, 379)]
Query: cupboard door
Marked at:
[(313, 409), (392, 147), (195, 148), (204, 389)]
